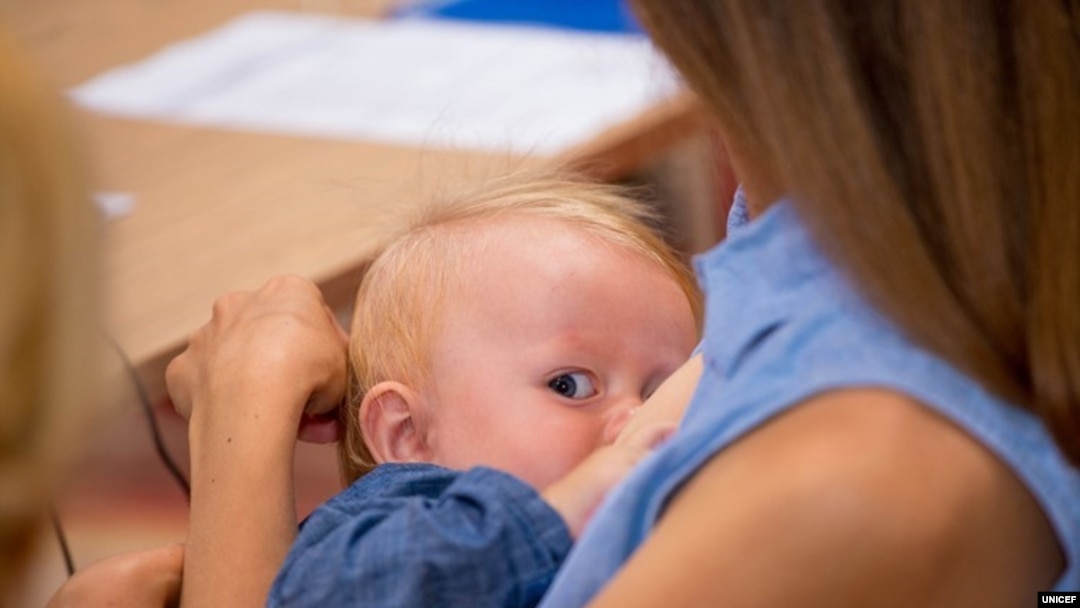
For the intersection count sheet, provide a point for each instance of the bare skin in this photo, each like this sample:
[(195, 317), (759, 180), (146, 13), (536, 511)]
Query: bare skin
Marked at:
[(815, 526), (577, 495), (134, 580), (246, 382)]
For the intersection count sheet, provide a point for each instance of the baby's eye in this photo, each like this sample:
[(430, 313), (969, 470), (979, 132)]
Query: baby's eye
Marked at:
[(573, 385)]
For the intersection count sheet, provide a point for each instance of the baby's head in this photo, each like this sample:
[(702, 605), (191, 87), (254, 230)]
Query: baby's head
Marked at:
[(514, 326)]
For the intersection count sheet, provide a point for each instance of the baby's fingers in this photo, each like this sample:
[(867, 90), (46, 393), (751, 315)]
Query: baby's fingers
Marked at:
[(647, 437)]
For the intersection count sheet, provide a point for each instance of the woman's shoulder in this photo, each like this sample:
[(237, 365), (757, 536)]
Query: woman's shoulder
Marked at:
[(860, 496), (898, 493), (860, 465)]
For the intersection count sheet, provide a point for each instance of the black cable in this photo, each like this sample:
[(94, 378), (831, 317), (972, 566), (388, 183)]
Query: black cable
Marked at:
[(159, 445), (148, 409), (62, 539)]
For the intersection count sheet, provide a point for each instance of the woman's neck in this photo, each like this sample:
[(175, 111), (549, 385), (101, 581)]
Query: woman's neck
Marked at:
[(759, 184), (758, 180), (759, 197)]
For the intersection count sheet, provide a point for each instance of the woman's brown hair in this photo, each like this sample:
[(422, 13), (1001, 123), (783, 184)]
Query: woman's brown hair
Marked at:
[(933, 148), (48, 305)]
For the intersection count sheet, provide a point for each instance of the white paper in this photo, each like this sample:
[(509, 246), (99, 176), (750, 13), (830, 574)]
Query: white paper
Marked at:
[(114, 205), (416, 82)]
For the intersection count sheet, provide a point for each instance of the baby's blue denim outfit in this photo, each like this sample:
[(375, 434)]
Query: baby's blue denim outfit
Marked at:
[(781, 325), (418, 535)]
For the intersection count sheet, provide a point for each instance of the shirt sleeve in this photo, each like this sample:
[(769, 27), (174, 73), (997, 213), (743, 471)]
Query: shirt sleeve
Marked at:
[(426, 537)]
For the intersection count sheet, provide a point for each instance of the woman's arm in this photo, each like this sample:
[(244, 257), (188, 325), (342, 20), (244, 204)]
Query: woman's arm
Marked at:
[(245, 382), (859, 497)]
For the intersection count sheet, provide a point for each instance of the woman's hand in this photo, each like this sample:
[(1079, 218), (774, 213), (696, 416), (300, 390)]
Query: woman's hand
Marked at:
[(266, 362), (281, 342), (143, 579)]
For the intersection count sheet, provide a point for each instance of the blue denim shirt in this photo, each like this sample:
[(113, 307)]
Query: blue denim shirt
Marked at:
[(782, 324), (421, 535)]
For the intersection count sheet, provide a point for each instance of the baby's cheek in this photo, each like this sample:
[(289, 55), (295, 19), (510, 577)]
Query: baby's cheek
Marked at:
[(564, 454), (544, 450)]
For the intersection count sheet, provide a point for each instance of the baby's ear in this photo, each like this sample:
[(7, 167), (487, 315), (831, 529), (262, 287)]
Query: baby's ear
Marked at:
[(392, 424)]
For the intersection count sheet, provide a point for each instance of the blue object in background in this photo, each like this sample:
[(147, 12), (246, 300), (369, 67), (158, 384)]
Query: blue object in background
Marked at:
[(589, 15)]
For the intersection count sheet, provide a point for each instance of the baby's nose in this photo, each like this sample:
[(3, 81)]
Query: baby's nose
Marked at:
[(617, 419)]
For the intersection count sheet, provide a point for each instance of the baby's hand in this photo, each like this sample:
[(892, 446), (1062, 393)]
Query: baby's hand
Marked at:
[(577, 495)]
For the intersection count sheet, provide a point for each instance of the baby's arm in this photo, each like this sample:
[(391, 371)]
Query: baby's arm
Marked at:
[(421, 535), (580, 491)]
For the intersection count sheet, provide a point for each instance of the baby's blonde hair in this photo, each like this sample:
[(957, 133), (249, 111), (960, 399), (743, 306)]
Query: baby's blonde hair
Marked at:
[(400, 296)]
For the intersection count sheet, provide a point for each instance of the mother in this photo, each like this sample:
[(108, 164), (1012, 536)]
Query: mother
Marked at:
[(890, 409)]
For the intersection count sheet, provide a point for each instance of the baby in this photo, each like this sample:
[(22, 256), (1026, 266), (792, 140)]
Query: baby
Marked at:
[(498, 343)]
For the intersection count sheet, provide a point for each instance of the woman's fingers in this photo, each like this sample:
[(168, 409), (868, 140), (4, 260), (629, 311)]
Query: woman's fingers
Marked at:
[(282, 339)]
